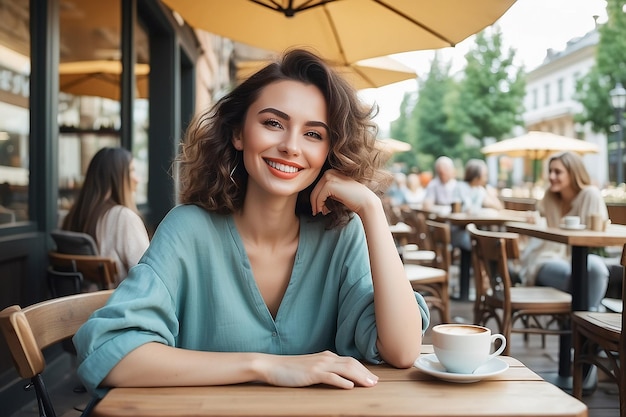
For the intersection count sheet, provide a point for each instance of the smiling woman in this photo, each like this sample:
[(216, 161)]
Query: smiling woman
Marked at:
[(279, 265)]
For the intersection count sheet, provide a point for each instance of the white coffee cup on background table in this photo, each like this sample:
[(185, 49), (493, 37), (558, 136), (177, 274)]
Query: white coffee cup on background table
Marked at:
[(571, 221), (463, 348)]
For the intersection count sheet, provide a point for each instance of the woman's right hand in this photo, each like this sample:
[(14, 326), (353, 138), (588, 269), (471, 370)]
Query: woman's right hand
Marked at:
[(317, 368)]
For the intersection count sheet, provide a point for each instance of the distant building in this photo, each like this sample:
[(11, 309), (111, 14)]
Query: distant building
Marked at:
[(550, 105)]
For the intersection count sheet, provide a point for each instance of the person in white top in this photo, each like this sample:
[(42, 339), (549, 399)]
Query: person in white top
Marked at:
[(440, 191), (106, 209), (472, 191), (414, 192)]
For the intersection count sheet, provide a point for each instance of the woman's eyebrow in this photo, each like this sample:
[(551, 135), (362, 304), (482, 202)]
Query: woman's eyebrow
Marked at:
[(285, 116)]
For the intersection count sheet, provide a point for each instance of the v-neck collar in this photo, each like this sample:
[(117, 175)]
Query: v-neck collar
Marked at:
[(248, 277)]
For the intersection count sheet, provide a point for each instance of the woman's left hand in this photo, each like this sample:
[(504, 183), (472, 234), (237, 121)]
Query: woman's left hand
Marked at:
[(348, 192)]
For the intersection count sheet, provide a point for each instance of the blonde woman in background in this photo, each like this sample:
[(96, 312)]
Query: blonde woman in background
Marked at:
[(570, 193)]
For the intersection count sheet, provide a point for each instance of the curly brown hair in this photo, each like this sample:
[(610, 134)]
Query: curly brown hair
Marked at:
[(211, 174)]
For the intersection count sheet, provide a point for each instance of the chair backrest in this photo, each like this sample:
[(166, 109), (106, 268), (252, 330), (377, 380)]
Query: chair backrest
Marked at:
[(64, 283), (491, 252), (75, 243), (417, 220), (440, 240), (30, 330), (391, 212), (97, 269)]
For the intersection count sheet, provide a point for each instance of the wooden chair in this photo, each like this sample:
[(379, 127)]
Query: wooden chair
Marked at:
[(30, 330), (595, 332), (419, 250), (539, 310), (97, 269), (435, 288)]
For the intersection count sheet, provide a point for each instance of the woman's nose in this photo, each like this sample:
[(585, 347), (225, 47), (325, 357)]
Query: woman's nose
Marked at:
[(290, 144)]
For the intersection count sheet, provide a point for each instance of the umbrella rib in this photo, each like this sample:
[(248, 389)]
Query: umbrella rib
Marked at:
[(290, 11), (336, 35), (364, 76), (415, 22)]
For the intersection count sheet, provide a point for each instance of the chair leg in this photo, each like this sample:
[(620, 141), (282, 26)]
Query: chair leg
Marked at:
[(43, 399), (577, 370)]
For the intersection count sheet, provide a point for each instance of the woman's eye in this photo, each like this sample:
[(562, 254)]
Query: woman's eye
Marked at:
[(272, 123), (314, 135)]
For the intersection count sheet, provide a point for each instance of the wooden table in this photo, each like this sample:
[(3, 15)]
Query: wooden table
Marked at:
[(486, 217), (399, 392), (580, 241)]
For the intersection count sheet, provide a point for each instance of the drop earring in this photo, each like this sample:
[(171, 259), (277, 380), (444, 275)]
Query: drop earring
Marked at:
[(232, 171)]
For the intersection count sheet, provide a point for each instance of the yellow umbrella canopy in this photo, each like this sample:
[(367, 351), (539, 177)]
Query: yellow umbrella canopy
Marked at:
[(343, 31), (99, 78), (539, 145), (368, 73)]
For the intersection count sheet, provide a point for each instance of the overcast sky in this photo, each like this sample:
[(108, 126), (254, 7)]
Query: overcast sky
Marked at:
[(529, 26)]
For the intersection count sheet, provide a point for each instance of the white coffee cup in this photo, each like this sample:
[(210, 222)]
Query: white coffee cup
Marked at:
[(571, 221), (462, 348)]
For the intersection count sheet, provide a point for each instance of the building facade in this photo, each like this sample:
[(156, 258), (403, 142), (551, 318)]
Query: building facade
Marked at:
[(550, 105)]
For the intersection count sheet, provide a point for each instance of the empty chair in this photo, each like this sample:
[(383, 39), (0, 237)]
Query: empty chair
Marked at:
[(29, 330), (536, 310), (594, 333), (435, 288), (419, 248)]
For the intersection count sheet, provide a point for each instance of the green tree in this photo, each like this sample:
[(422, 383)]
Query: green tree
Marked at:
[(491, 94), (592, 90), (399, 129), (432, 133)]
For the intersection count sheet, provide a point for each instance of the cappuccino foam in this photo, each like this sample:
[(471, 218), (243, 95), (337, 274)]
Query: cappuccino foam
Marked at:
[(461, 330)]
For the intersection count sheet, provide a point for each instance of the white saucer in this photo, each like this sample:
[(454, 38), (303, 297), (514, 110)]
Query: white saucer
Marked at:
[(430, 365), (577, 227)]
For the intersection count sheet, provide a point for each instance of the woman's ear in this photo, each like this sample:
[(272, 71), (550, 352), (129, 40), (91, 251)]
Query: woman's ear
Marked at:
[(237, 142)]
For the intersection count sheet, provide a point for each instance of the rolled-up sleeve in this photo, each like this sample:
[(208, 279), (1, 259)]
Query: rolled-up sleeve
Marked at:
[(128, 321)]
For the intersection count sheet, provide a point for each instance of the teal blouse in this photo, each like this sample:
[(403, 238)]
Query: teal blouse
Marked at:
[(194, 289)]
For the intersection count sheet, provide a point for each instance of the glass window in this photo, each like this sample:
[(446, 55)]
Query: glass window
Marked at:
[(141, 113), (560, 93), (14, 110)]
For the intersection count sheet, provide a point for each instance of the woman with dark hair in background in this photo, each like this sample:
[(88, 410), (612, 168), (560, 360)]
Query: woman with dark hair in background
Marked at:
[(279, 265), (106, 210)]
